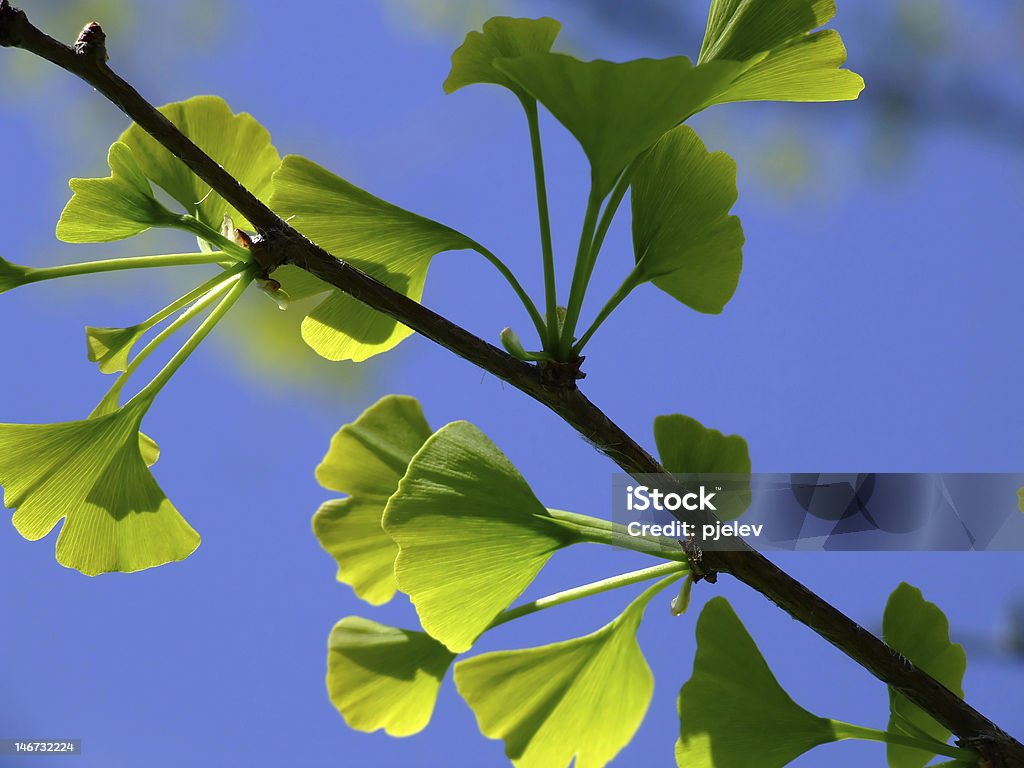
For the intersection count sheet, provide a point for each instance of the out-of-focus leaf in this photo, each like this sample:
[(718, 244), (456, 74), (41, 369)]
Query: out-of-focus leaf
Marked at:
[(385, 241), (383, 677), (919, 631), (471, 534), (582, 698), (366, 460), (684, 239), (732, 711)]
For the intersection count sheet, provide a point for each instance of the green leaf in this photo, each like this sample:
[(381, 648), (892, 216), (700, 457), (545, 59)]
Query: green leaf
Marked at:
[(687, 447), (502, 38), (919, 631), (387, 242), (92, 474), (12, 275), (732, 711), (684, 239), (783, 60), (382, 677), (366, 459), (470, 532), (119, 206), (617, 110), (110, 347), (582, 698), (237, 142)]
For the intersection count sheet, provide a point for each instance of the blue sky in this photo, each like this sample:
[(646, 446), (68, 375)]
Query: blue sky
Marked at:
[(876, 327)]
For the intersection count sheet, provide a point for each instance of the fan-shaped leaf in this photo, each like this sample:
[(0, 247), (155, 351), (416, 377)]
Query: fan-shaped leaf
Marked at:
[(684, 239), (502, 38), (732, 711), (382, 677), (13, 275), (783, 60), (919, 630), (389, 243), (92, 474), (110, 347), (581, 698), (470, 532), (366, 460), (119, 206)]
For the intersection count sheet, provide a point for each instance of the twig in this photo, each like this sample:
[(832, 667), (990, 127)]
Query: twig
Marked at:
[(279, 243)]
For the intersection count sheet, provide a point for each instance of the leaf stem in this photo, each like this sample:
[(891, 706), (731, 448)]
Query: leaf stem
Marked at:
[(599, 531), (201, 230), (543, 216), (38, 274), (524, 297), (188, 298), (580, 274), (586, 590), (848, 731), (632, 281), (241, 282)]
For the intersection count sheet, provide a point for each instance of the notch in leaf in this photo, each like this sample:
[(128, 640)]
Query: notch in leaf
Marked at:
[(366, 460), (582, 698), (470, 532), (92, 474), (383, 677)]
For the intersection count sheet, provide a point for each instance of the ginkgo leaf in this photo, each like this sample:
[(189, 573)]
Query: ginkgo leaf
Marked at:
[(119, 206), (501, 38), (582, 698), (617, 110), (92, 474), (783, 59), (687, 447), (383, 677), (732, 711), (471, 534), (385, 241), (111, 347), (684, 239), (237, 142), (366, 460), (12, 275), (918, 630)]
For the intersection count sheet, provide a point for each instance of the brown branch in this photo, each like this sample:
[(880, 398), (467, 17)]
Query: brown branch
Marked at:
[(280, 243)]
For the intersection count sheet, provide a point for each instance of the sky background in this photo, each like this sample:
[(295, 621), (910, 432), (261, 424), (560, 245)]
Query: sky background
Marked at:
[(875, 328)]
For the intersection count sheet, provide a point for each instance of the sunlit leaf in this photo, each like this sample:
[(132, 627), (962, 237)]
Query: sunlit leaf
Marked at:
[(684, 239), (502, 37), (581, 698), (366, 460), (385, 241), (12, 275), (382, 677), (783, 59), (617, 110), (92, 474), (919, 631), (470, 532), (732, 711), (237, 142), (119, 206), (111, 347), (687, 447)]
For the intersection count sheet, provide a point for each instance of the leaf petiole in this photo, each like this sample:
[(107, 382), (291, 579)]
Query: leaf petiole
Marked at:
[(847, 731), (201, 230), (599, 531), (550, 289), (38, 274), (580, 274), (633, 279)]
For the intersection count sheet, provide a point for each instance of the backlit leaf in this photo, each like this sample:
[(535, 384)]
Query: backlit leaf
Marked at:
[(382, 677), (366, 460), (471, 534), (92, 475), (385, 241), (732, 711), (111, 347), (919, 631), (502, 38), (581, 698), (119, 206), (12, 275), (783, 59), (684, 239)]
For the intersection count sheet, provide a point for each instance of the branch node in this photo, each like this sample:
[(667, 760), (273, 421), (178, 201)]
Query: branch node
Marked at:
[(92, 43)]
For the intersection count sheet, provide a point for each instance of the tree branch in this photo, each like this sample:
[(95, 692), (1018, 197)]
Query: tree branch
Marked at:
[(279, 243)]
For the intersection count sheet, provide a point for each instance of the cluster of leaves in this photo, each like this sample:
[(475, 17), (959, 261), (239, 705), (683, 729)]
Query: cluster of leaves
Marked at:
[(444, 518)]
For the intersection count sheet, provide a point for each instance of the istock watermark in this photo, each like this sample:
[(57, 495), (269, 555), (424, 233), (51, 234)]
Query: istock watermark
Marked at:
[(824, 511)]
